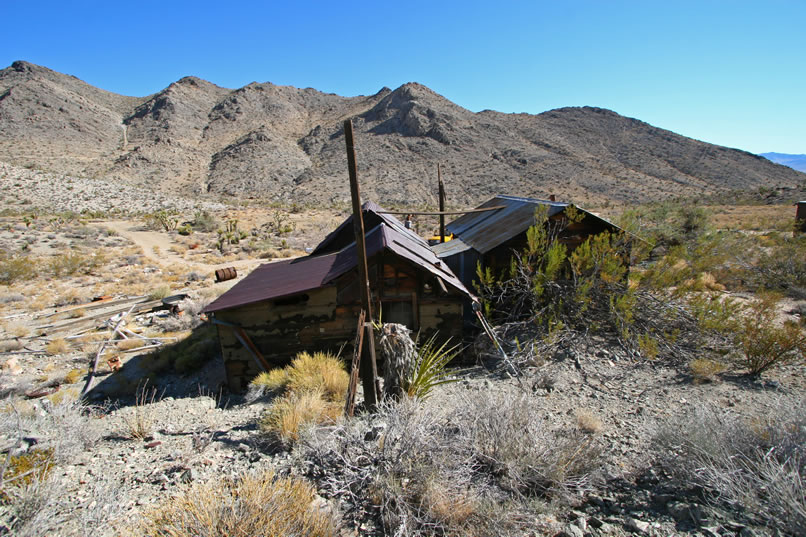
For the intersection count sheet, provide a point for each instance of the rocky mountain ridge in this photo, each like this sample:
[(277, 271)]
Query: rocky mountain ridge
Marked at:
[(286, 144)]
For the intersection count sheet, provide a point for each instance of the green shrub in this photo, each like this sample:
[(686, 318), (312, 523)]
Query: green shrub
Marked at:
[(204, 221), (765, 344), (17, 268), (75, 261)]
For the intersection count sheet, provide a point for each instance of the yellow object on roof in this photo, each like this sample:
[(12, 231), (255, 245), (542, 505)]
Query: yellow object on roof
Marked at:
[(435, 239)]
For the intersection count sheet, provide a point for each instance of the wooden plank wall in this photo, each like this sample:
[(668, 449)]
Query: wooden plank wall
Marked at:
[(324, 319)]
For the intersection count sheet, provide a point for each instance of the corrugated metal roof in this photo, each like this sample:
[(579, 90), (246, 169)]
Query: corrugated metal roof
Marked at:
[(378, 211), (452, 247), (486, 230), (285, 278)]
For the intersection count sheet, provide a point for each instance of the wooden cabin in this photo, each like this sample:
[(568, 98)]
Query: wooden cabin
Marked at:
[(312, 303), (491, 237)]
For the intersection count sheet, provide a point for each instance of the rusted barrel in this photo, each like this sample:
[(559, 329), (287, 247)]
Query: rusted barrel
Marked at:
[(224, 274)]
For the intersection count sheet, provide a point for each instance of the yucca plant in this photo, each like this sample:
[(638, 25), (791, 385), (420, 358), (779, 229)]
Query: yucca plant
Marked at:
[(430, 369)]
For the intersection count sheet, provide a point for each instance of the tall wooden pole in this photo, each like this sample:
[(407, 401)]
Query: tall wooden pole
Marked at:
[(369, 370), (441, 206)]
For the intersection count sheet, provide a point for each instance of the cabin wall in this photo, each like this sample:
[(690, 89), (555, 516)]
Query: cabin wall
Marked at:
[(280, 329), (325, 319)]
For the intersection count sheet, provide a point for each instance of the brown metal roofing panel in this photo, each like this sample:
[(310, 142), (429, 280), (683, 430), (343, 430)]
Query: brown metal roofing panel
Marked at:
[(283, 278), (274, 280), (369, 206)]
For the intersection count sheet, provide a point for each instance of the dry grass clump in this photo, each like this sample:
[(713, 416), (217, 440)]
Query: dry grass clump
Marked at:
[(267, 382), (160, 292), (588, 422), (755, 465), (74, 375), (705, 369), (261, 504), (287, 416), (314, 386), (319, 372), (476, 468), (18, 330), (57, 346), (138, 420), (71, 297)]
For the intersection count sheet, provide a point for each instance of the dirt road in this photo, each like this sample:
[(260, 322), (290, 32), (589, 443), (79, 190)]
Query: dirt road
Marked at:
[(148, 240)]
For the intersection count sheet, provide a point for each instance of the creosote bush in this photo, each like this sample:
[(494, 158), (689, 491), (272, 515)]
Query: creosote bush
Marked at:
[(261, 504), (765, 344), (565, 295)]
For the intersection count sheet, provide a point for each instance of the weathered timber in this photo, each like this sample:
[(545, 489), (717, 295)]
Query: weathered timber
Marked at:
[(369, 371), (349, 406)]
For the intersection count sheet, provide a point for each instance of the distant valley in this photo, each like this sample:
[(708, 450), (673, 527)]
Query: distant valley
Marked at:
[(797, 162)]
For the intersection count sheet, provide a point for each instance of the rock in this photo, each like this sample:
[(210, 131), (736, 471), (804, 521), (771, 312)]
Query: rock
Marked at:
[(189, 475), (637, 525), (12, 366), (711, 531), (679, 511), (747, 532), (244, 448), (572, 530), (153, 444), (596, 522)]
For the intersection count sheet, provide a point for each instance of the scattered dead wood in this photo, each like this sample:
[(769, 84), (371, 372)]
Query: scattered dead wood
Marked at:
[(101, 347), (90, 319), (95, 304)]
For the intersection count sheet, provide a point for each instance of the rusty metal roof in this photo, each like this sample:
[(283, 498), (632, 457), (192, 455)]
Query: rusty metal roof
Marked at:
[(345, 235), (285, 278), (485, 230)]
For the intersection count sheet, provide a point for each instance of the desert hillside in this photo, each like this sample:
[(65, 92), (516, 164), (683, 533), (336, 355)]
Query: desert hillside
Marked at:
[(286, 144)]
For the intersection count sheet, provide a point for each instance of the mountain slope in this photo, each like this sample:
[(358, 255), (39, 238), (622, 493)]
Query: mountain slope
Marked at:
[(286, 144)]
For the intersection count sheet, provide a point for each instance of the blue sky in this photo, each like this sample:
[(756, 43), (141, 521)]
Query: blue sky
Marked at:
[(730, 73)]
